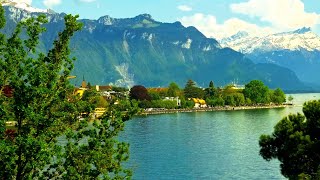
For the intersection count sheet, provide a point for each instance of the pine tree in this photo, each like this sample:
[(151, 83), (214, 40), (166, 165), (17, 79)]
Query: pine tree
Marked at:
[(295, 143)]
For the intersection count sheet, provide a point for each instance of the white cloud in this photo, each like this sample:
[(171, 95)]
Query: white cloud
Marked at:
[(51, 3), (23, 1), (208, 25), (281, 14), (205, 23), (184, 8)]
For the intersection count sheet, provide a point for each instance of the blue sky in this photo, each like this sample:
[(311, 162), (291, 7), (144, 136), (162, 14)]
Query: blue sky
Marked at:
[(214, 18)]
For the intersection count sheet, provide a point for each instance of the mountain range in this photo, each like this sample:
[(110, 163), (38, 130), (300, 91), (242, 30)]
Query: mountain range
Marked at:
[(297, 50), (141, 50)]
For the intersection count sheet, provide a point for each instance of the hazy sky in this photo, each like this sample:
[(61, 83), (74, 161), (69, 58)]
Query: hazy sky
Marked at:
[(215, 18)]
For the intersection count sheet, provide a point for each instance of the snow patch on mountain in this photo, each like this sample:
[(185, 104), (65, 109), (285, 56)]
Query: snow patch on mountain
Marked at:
[(106, 20), (207, 48), (24, 6), (187, 44), (299, 39)]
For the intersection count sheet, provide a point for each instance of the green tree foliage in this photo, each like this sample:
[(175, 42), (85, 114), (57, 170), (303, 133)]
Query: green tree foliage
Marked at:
[(144, 104), (191, 91), (125, 105), (154, 95), (173, 90), (211, 85), (215, 101), (257, 92), (229, 100), (248, 102), (158, 104), (290, 98), (45, 109), (119, 89), (295, 143), (278, 96), (210, 91), (139, 92), (189, 104), (239, 99)]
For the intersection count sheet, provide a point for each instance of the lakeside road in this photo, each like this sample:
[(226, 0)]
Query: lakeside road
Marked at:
[(220, 108)]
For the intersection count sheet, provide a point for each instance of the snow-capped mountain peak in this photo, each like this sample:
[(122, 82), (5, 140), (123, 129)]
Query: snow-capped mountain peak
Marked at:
[(24, 6), (239, 35), (299, 39)]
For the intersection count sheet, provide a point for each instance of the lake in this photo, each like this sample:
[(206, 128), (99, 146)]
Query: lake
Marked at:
[(205, 145)]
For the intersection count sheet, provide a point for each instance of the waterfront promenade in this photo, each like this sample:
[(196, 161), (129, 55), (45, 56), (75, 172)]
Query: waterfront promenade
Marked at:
[(219, 108)]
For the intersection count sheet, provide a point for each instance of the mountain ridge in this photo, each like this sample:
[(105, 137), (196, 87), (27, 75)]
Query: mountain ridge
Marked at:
[(140, 50), (298, 50), (302, 38)]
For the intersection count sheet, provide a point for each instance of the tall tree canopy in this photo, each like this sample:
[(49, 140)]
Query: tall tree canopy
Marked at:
[(139, 92), (256, 91), (192, 91), (295, 142), (45, 110), (278, 96), (173, 90), (211, 90), (211, 84)]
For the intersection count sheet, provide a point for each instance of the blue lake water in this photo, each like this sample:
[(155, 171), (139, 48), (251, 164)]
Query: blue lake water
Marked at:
[(205, 145)]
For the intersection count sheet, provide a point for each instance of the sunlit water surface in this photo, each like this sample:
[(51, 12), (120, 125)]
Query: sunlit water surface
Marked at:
[(205, 145)]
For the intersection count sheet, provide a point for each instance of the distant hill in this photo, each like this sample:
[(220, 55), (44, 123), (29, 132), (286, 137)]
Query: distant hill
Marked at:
[(141, 50)]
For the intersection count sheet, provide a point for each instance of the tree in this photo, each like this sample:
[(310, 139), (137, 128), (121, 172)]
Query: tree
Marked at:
[(229, 100), (257, 92), (239, 99), (290, 98), (45, 109), (215, 101), (295, 143), (173, 90), (154, 95), (211, 84), (210, 91), (191, 91), (278, 96), (139, 92)]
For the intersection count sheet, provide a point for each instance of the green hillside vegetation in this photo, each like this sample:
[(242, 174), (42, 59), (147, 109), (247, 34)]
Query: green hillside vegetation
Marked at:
[(141, 50)]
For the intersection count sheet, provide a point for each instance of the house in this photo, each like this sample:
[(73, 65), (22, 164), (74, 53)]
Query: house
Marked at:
[(173, 99), (79, 91), (104, 90), (108, 92), (199, 103)]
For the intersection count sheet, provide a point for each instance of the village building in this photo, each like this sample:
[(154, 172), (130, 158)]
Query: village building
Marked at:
[(199, 103), (176, 99)]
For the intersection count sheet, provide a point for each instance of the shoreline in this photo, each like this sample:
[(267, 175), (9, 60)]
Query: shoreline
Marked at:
[(220, 108)]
